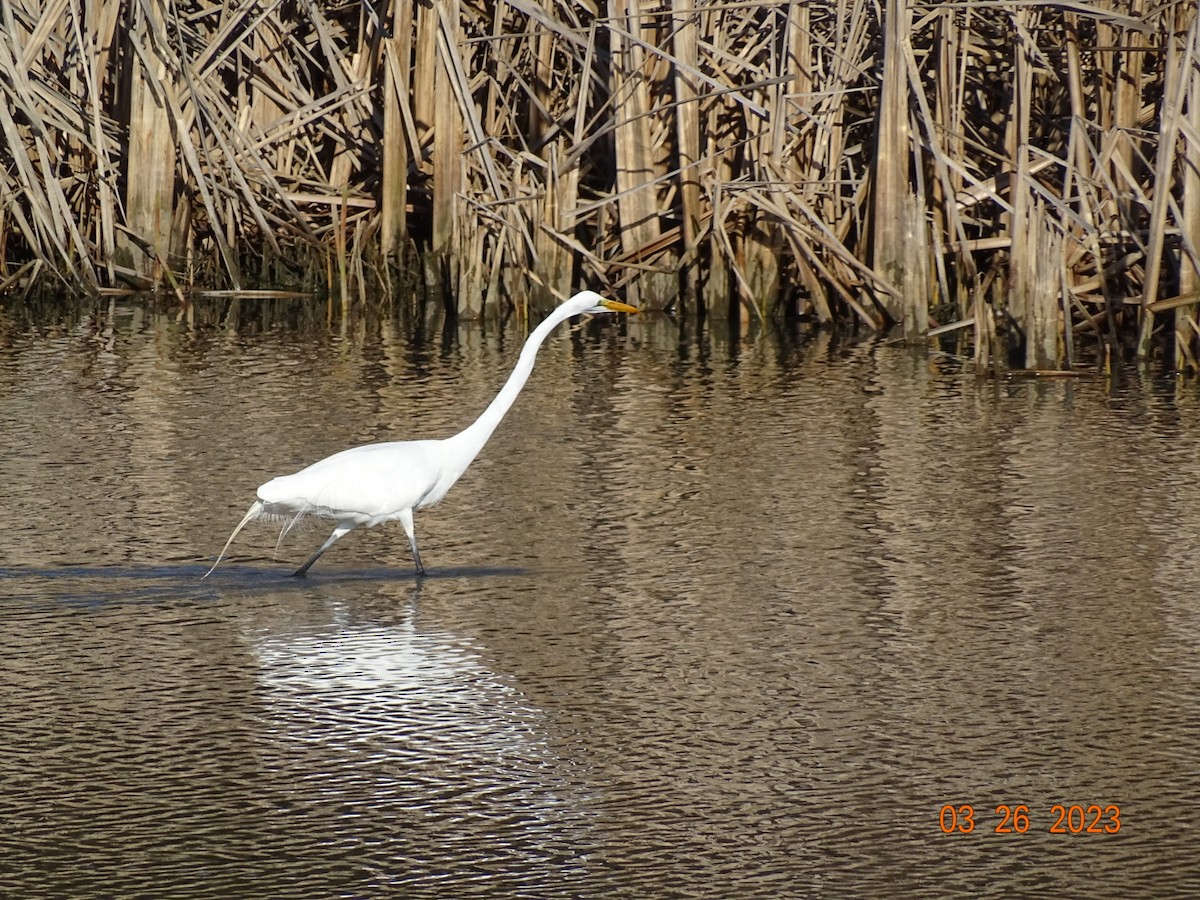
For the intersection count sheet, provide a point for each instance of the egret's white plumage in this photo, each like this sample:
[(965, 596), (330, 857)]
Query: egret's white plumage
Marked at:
[(378, 483)]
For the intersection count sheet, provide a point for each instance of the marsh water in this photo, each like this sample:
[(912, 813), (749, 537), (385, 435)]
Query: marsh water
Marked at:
[(707, 618)]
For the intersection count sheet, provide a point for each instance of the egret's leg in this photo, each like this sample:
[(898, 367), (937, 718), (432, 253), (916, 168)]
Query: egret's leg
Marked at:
[(406, 520), (337, 533), (256, 509)]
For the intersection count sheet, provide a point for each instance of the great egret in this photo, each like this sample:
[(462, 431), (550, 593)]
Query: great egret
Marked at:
[(377, 483)]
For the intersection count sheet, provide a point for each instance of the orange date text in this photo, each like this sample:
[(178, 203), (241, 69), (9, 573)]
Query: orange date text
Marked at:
[(1092, 818)]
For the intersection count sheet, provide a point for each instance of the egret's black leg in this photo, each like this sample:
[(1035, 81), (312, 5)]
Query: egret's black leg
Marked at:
[(337, 533), (406, 520)]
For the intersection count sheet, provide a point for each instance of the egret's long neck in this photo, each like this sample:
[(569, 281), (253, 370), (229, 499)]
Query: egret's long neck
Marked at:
[(471, 440)]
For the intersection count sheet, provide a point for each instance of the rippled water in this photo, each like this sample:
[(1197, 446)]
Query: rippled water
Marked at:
[(704, 619)]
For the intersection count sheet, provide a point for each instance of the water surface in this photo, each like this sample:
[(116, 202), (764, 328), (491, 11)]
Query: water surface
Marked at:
[(706, 618)]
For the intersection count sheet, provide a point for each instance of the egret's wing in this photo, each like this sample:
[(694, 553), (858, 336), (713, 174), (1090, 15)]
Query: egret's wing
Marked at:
[(366, 484)]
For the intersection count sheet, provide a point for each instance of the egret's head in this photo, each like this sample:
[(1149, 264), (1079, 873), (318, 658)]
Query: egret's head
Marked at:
[(591, 302)]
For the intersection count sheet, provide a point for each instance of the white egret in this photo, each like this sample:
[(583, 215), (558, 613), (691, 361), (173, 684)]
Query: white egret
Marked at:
[(381, 482)]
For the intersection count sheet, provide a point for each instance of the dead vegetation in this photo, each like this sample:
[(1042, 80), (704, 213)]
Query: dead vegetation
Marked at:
[(1022, 176)]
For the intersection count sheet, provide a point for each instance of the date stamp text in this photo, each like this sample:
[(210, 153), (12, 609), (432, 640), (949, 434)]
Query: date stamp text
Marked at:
[(1093, 818)]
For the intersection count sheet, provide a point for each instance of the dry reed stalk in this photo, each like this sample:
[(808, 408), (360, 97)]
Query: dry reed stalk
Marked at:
[(895, 246), (554, 268), (553, 190), (802, 51), (448, 146), (394, 169), (686, 52), (636, 165), (1177, 78), (1037, 287), (1186, 329)]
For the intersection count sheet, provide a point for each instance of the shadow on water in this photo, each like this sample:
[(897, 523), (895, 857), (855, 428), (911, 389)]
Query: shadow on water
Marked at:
[(141, 584), (368, 575)]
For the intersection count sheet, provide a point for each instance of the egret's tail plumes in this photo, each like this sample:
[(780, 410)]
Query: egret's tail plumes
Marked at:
[(256, 510)]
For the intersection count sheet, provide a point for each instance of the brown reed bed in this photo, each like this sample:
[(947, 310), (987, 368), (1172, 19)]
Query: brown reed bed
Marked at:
[(1013, 178)]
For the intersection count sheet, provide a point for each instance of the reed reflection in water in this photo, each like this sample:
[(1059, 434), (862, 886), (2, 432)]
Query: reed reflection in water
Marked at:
[(703, 619)]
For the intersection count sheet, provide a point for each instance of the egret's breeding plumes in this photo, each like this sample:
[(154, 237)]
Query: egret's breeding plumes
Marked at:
[(380, 482)]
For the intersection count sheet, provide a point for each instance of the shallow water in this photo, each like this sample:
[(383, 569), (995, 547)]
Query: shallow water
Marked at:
[(704, 619)]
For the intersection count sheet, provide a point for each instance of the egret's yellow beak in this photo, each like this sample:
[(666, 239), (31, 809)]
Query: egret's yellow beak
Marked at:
[(617, 306)]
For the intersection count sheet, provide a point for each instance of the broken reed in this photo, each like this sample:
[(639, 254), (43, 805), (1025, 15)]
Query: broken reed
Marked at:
[(1015, 173)]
